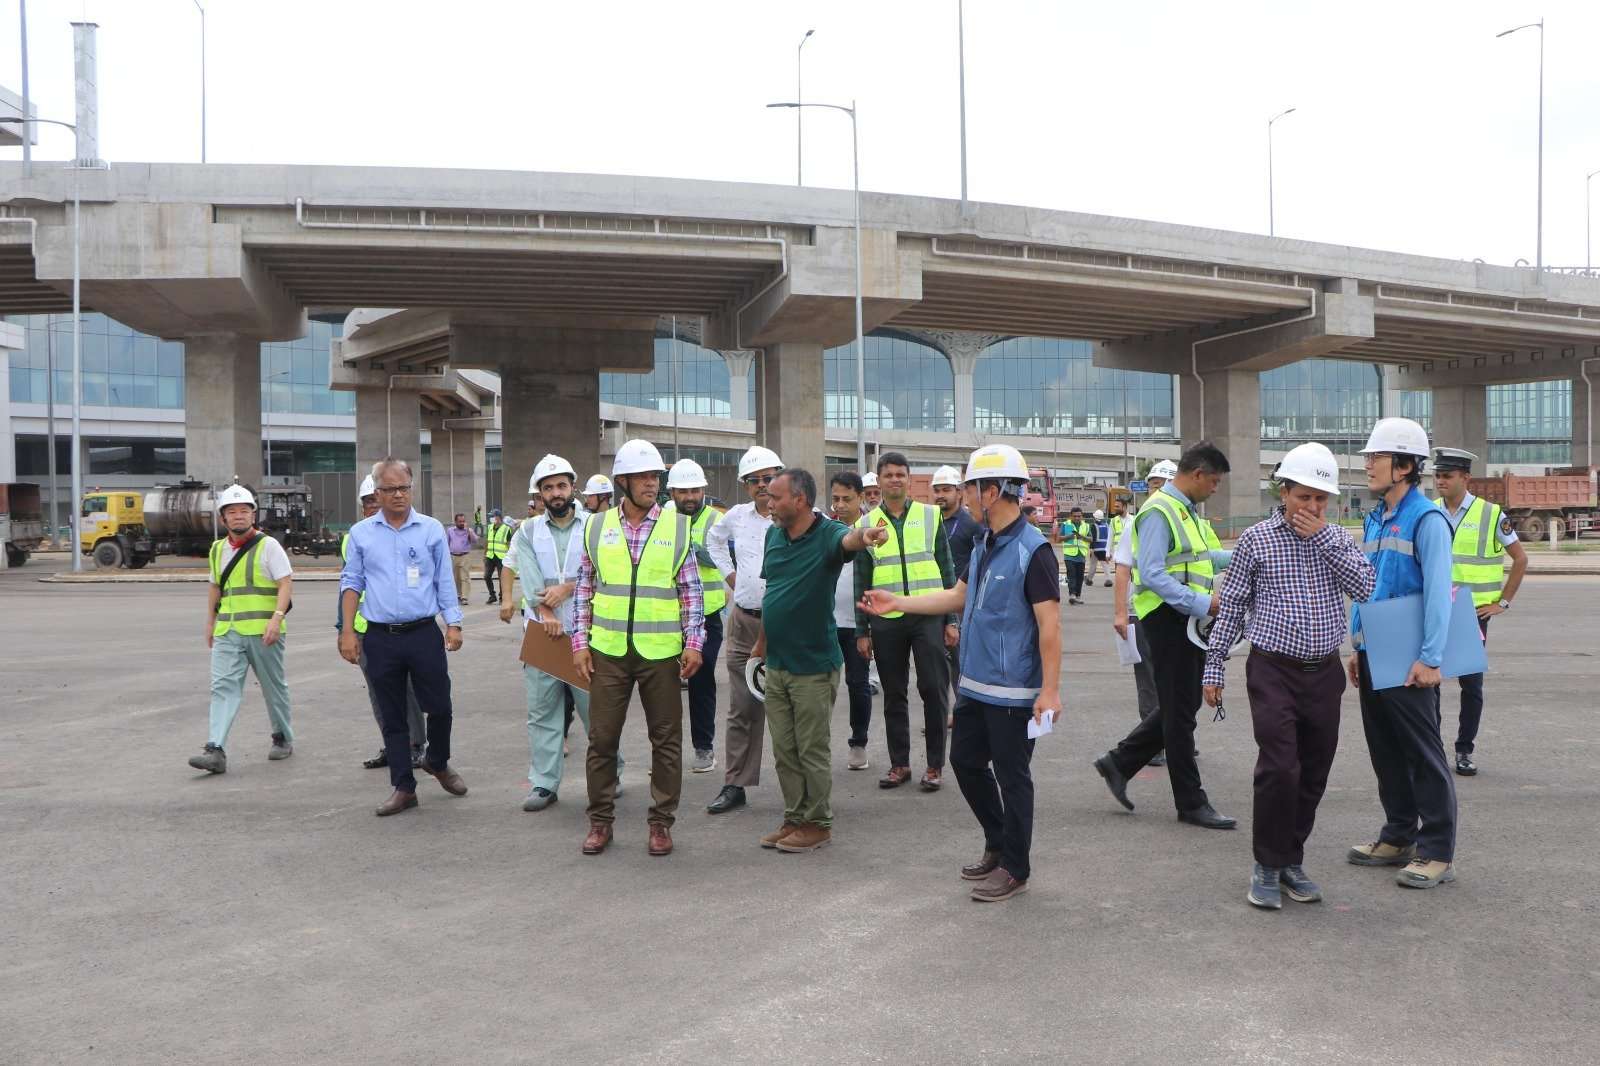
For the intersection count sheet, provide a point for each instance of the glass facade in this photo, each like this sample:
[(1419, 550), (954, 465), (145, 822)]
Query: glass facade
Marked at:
[(121, 368), (1041, 386), (1530, 422), (703, 382), (294, 376), (1328, 400), (909, 385)]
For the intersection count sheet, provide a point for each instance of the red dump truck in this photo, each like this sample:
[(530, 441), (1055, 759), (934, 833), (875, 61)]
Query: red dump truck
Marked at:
[(21, 521), (1563, 499)]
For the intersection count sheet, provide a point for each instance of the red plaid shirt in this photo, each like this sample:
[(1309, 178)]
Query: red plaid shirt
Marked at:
[(691, 598)]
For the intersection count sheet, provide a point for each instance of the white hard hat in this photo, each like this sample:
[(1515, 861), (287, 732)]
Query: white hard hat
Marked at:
[(1099, 515), (550, 466), (997, 461), (946, 475), (1166, 469), (1399, 435), (637, 457), (369, 487), (869, 481), (234, 494), (686, 474), (1313, 466), (758, 458), (599, 485)]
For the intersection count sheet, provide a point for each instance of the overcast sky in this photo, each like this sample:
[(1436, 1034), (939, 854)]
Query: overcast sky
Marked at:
[(1415, 129)]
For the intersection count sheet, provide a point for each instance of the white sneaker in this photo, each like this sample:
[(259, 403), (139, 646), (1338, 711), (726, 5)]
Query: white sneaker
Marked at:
[(704, 761), (858, 759)]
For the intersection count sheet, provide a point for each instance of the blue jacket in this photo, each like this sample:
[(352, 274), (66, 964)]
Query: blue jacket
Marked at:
[(1000, 661), (1412, 555)]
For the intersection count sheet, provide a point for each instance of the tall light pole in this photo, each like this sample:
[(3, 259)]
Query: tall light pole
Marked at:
[(799, 96), (1588, 203), (1272, 220), (1538, 254), (961, 67), (202, 11), (27, 148), (861, 350)]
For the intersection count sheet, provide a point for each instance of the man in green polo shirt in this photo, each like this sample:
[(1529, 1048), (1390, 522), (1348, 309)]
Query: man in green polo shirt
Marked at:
[(804, 554)]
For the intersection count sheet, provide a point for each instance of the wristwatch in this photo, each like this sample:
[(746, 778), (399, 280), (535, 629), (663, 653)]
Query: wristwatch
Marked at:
[(1505, 605)]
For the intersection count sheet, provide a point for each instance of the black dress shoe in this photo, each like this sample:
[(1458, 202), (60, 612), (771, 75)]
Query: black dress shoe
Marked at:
[(1465, 766), (1158, 759), (1114, 779), (1206, 817), (730, 797), (378, 761)]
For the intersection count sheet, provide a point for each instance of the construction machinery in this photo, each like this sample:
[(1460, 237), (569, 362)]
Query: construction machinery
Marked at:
[(127, 528), (21, 521), (1560, 502)]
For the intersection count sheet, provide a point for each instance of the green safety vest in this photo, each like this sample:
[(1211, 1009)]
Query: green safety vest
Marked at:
[(496, 539), (344, 556), (1075, 537), (637, 603), (1188, 555), (1116, 533), (249, 599), (711, 583), (909, 568), (1477, 556)]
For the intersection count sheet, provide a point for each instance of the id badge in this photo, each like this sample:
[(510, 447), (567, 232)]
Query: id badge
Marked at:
[(413, 576)]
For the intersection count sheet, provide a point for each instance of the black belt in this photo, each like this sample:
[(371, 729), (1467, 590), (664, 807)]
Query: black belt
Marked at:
[(753, 614), (399, 627), (1303, 665)]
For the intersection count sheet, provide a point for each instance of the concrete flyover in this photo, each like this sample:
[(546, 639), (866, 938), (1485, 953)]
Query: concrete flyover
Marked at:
[(550, 278)]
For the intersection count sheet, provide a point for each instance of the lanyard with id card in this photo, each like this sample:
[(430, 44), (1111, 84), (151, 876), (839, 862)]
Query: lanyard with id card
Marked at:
[(413, 571)]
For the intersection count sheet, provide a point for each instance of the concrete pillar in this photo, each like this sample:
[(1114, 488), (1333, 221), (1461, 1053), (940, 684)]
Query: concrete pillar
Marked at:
[(964, 365), (222, 409), (8, 451), (1461, 419), (388, 422), (1585, 450), (457, 474), (1229, 417), (740, 364), (546, 411), (792, 407)]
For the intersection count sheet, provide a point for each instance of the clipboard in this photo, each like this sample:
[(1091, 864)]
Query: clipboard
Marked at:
[(552, 655), (1391, 636)]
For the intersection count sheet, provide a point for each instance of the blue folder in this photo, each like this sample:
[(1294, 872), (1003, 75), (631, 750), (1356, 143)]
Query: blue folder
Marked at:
[(1391, 635)]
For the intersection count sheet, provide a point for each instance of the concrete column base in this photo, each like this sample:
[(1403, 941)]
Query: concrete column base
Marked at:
[(457, 474), (790, 419), (222, 408), (1229, 417), (546, 411), (389, 423), (1461, 420)]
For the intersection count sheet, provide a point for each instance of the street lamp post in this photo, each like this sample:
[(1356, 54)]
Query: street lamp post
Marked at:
[(1588, 203), (202, 11), (1538, 254), (1272, 222), (799, 96), (266, 413), (961, 67), (861, 351)]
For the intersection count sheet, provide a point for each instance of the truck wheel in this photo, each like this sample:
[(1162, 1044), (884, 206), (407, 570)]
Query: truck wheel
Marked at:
[(1532, 527), (15, 556), (108, 555)]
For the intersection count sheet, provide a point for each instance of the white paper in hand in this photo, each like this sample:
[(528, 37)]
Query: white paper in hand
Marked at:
[(1127, 648), (1046, 723)]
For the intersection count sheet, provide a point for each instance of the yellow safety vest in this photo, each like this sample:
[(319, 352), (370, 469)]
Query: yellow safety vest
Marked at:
[(250, 597), (711, 583), (1116, 533), (360, 624), (1188, 555), (1074, 544), (496, 539), (637, 603), (1477, 556), (909, 568)]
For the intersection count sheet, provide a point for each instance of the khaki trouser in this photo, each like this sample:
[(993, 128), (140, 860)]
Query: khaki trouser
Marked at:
[(610, 690), (747, 719), (458, 567), (799, 708)]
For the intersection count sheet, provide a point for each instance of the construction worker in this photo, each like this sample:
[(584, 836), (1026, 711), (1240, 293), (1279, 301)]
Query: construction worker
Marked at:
[(1075, 541), (496, 539), (1099, 547), (845, 495), (638, 622), (419, 733), (913, 561), (1408, 540), (871, 494), (686, 481), (1176, 555), (1114, 526), (597, 494), (1483, 538), (1144, 671), (250, 592), (738, 546), (1010, 666), (960, 529)]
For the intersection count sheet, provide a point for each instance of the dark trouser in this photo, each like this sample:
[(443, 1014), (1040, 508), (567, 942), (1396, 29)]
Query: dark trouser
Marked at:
[(1075, 577), (1178, 666), (1471, 703), (896, 642), (418, 725), (1295, 712), (1415, 785), (1144, 675), (954, 655), (417, 656), (855, 683), (566, 721), (1002, 797), (610, 691), (703, 688), (491, 567)]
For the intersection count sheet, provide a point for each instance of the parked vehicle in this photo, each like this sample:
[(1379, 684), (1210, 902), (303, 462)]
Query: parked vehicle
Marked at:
[(126, 528), (21, 521), (1563, 500)]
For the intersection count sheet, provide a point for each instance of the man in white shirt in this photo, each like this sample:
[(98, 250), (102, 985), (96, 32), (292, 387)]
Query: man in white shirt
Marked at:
[(738, 546), (1144, 672), (846, 495)]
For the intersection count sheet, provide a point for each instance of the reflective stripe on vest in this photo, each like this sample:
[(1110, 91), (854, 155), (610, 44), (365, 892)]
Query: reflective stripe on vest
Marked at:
[(1477, 556), (1073, 547), (910, 568), (496, 539), (250, 598), (1188, 555), (637, 603), (360, 623)]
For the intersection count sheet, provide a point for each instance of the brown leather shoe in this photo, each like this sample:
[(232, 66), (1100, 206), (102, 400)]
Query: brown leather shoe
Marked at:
[(932, 780), (980, 870), (772, 838), (398, 801), (599, 836), (998, 887), (660, 840), (897, 776), (806, 838), (448, 779)]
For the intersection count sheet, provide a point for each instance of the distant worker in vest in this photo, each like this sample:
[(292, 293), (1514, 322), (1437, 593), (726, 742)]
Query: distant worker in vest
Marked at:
[(536, 505), (1285, 590), (638, 622), (459, 540), (251, 585), (871, 494), (1010, 666), (1114, 524), (1099, 547), (845, 496), (737, 545), (1483, 539), (805, 554), (496, 539), (398, 574), (960, 529), (1176, 557), (913, 561), (597, 493), (1408, 541), (686, 482), (1076, 538), (419, 733), (477, 520), (1144, 671)]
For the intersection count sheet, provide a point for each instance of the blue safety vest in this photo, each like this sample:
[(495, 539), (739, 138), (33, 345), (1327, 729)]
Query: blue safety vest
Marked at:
[(1390, 545), (1000, 661)]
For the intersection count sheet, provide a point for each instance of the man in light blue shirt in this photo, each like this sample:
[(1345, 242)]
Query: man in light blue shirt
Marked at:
[(1155, 541), (399, 560)]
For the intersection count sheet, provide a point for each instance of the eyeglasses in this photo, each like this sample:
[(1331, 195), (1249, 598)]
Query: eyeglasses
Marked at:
[(394, 490), (760, 479)]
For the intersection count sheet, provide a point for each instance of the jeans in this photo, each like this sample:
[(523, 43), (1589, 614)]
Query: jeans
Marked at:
[(491, 567), (703, 688), (1075, 577), (855, 684), (1415, 784), (1178, 667), (232, 656), (1001, 798), (798, 709), (417, 657), (896, 642), (1471, 703)]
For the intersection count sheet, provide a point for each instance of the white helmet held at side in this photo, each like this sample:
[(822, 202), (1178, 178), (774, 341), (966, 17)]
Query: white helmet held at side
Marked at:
[(758, 458), (1099, 515), (686, 474), (369, 487), (946, 475), (599, 485), (550, 466), (869, 480), (1399, 435), (1166, 470), (637, 457), (997, 462), (1313, 466), (234, 494)]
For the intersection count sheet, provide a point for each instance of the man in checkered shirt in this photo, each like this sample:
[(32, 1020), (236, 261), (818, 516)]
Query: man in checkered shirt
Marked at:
[(1285, 591)]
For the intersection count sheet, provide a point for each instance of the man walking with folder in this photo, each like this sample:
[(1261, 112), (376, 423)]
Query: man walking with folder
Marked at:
[(1407, 539)]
